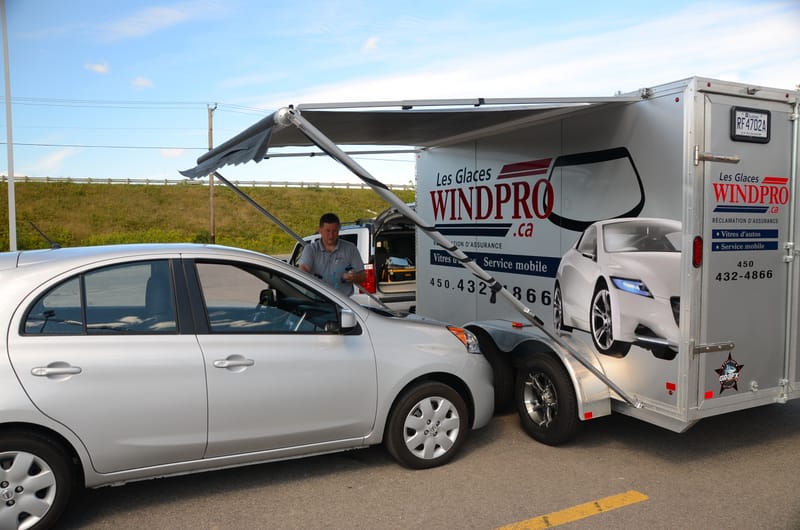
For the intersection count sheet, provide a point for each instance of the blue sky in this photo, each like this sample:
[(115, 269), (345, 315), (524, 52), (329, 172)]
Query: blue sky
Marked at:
[(107, 89)]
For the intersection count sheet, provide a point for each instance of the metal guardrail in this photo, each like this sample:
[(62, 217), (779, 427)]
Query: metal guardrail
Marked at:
[(203, 182)]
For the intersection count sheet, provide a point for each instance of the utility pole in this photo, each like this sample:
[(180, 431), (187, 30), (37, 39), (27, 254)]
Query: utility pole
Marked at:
[(211, 221), (12, 206)]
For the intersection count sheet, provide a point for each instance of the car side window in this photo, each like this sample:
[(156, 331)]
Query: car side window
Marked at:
[(241, 298), (57, 312), (129, 298), (588, 242)]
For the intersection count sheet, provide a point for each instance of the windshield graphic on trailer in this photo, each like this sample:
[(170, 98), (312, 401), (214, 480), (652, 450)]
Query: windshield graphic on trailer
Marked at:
[(594, 186)]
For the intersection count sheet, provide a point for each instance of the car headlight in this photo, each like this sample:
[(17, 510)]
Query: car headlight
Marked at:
[(467, 338), (632, 286)]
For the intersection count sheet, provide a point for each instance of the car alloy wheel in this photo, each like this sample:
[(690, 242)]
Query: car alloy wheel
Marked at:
[(601, 319), (546, 401), (601, 322), (558, 310), (540, 399)]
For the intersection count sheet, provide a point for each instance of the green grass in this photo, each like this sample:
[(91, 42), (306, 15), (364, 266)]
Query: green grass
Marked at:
[(97, 214)]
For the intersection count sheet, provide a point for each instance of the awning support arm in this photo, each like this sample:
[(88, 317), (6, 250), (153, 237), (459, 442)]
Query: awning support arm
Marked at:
[(260, 208)]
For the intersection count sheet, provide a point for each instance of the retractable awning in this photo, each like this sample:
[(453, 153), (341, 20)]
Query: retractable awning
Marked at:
[(421, 124), (417, 123)]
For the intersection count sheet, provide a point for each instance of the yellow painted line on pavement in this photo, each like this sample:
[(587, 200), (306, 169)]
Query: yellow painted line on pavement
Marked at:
[(581, 511)]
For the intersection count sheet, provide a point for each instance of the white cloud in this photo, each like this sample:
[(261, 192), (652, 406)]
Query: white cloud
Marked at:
[(141, 83), (145, 22), (98, 68), (49, 164), (152, 19), (730, 42), (370, 46)]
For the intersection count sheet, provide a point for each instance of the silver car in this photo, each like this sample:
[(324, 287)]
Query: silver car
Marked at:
[(123, 363)]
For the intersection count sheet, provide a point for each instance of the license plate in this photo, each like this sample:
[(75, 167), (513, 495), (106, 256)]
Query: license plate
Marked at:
[(750, 125)]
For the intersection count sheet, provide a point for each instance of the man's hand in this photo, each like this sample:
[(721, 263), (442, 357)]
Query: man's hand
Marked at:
[(354, 277)]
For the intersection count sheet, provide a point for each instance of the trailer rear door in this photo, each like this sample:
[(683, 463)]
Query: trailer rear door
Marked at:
[(747, 214)]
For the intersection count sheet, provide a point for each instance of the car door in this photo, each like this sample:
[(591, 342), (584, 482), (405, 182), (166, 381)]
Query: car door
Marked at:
[(101, 353), (277, 378)]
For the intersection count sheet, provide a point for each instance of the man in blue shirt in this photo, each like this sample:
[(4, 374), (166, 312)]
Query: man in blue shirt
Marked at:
[(336, 261)]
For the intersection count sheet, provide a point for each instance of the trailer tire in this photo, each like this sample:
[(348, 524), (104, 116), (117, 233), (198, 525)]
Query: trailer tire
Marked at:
[(546, 401)]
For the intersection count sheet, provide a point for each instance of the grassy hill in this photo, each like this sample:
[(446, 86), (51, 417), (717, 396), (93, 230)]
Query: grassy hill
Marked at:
[(94, 214)]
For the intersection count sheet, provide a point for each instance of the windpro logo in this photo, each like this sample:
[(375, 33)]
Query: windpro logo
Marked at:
[(571, 191), (516, 194), (741, 193)]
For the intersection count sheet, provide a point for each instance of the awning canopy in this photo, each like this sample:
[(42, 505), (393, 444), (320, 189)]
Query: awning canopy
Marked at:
[(419, 124)]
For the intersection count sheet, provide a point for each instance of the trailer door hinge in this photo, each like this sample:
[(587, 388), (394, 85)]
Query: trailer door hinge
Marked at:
[(711, 157), (716, 347), (790, 252)]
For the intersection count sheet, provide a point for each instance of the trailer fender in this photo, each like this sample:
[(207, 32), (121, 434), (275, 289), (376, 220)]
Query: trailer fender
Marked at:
[(509, 348)]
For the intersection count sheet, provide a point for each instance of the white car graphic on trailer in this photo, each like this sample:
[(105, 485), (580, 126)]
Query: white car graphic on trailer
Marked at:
[(620, 282)]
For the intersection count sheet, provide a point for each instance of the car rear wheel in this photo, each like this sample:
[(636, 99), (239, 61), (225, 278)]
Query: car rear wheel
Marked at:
[(601, 322), (427, 426), (546, 402), (558, 310), (36, 481)]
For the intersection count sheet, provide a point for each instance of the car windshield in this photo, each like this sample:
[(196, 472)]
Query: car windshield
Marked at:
[(642, 236)]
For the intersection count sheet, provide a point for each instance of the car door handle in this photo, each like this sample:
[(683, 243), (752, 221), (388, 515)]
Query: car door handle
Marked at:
[(46, 371), (233, 363)]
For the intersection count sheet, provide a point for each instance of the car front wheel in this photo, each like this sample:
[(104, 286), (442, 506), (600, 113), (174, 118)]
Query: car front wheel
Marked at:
[(601, 321), (427, 426), (36, 481)]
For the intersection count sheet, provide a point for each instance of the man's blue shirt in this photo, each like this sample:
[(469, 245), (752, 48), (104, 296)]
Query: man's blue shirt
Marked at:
[(331, 266)]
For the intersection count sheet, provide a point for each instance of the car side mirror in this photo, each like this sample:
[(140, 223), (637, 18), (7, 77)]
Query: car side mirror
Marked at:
[(347, 319), (267, 297)]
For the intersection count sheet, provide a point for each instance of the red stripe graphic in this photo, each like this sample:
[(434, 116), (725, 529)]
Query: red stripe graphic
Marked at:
[(775, 180), (525, 169)]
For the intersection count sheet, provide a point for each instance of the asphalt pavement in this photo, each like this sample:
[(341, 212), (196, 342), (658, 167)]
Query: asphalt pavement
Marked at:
[(736, 471)]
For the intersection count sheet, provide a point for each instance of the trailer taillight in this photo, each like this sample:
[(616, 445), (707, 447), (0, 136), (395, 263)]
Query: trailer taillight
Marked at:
[(697, 252), (369, 284)]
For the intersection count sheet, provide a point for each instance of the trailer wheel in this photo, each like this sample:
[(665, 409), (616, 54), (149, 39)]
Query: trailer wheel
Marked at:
[(600, 320), (546, 402)]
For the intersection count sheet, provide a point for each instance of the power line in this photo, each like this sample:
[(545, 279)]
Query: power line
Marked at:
[(57, 102), (82, 146), (71, 127), (129, 104)]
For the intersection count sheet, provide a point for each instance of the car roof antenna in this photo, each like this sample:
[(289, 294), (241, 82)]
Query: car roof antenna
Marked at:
[(53, 244)]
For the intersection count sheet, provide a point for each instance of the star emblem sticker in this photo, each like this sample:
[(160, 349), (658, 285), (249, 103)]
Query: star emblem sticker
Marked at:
[(729, 374)]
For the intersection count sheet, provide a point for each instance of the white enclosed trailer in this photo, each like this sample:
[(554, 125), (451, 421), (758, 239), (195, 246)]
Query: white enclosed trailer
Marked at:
[(633, 253)]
